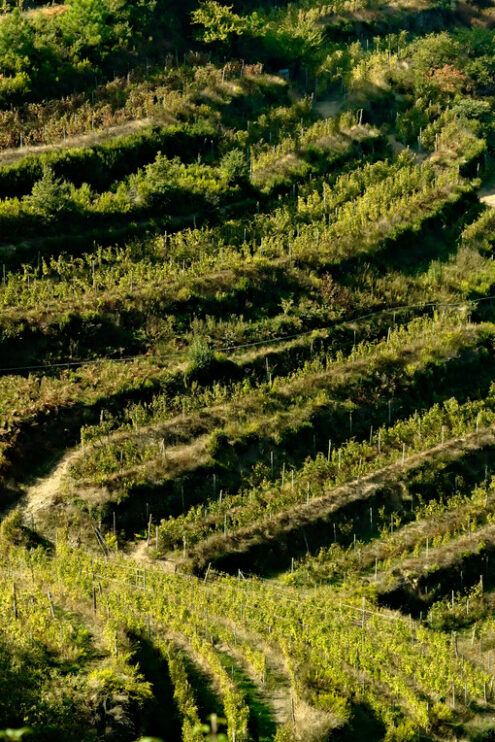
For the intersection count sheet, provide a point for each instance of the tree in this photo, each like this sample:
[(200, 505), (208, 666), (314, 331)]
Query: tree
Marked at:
[(234, 166), (50, 196), (200, 354), (16, 42), (218, 21), (86, 24)]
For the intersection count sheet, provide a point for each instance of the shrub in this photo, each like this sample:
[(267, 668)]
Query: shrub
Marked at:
[(234, 166), (200, 354), (50, 196), (12, 529)]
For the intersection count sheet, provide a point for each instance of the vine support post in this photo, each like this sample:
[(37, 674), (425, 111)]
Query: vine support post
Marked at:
[(148, 539), (50, 600), (14, 600)]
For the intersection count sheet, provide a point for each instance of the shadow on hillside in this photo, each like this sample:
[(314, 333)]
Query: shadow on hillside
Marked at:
[(432, 480), (159, 716), (363, 724)]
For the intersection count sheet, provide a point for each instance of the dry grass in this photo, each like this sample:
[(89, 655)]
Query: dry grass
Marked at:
[(486, 193), (442, 558), (9, 156)]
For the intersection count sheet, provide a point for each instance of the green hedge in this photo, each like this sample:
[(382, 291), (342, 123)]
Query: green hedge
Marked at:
[(105, 163)]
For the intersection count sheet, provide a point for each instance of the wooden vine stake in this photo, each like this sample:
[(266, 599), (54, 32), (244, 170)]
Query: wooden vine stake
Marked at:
[(148, 539), (50, 600)]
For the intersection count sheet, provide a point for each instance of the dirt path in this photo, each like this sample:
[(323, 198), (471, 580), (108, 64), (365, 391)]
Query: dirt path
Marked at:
[(486, 194), (9, 156), (277, 688), (444, 557), (309, 723), (142, 553), (48, 491)]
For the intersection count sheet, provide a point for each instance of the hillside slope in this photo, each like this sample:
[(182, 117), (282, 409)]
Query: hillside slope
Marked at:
[(247, 379)]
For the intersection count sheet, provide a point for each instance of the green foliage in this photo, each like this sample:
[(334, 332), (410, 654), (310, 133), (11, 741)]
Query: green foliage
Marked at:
[(87, 24), (234, 167), (200, 355), (50, 197), (103, 164), (218, 22), (12, 528)]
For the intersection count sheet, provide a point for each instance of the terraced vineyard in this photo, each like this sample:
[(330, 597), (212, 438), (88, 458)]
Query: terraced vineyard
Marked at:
[(247, 380)]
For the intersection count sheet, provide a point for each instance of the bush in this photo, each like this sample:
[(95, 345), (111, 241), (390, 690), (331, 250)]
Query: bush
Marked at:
[(12, 530), (50, 196), (205, 366), (105, 163), (200, 354), (234, 167)]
